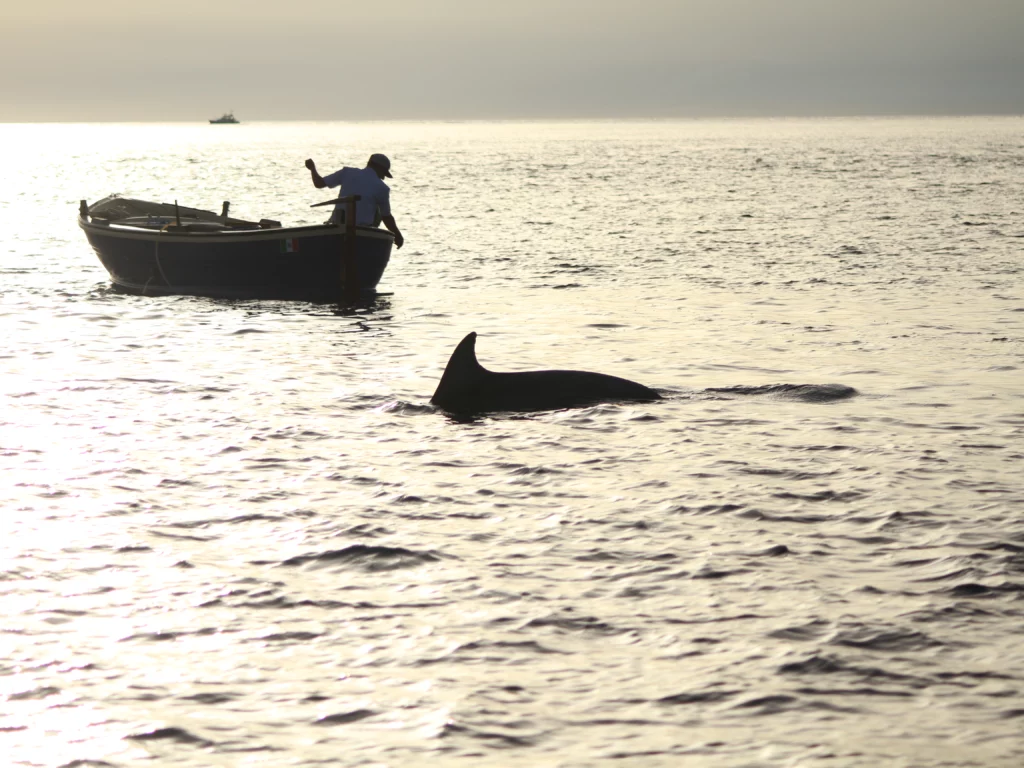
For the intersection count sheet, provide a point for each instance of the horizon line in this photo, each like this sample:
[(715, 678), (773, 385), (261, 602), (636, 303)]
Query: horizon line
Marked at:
[(615, 119)]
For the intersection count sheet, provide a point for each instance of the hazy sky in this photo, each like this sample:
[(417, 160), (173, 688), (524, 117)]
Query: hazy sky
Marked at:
[(383, 59)]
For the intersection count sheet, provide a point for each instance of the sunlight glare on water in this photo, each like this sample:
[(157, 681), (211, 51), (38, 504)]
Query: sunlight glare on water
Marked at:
[(238, 534)]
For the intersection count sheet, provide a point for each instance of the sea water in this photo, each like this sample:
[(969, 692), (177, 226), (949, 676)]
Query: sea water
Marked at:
[(236, 534)]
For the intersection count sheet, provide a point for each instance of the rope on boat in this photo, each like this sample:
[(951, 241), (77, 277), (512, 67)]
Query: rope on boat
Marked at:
[(156, 256)]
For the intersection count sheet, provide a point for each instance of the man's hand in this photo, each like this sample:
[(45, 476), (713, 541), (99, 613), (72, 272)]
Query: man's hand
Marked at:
[(392, 227), (318, 180)]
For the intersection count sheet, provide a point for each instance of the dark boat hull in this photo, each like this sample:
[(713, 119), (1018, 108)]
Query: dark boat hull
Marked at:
[(300, 263)]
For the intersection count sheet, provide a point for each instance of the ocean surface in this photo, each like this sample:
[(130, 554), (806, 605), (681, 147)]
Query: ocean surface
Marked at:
[(235, 533)]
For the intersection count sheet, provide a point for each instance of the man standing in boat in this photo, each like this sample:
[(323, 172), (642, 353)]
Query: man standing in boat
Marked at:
[(374, 206)]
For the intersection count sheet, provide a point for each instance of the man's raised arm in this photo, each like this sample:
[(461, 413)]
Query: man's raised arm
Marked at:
[(318, 180)]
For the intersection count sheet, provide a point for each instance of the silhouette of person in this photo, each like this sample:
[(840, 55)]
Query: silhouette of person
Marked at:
[(374, 206)]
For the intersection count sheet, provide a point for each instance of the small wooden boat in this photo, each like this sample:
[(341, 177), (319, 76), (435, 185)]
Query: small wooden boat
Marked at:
[(160, 249), (228, 118)]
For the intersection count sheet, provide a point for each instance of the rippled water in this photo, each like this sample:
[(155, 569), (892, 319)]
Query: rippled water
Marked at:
[(237, 534)]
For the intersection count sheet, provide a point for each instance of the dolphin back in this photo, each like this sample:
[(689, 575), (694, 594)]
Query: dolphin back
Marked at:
[(552, 390), (467, 387)]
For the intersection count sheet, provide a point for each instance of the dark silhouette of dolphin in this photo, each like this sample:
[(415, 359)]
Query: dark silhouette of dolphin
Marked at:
[(468, 387)]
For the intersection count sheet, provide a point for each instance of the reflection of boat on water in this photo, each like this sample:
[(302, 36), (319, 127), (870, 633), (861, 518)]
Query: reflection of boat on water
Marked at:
[(227, 117), (161, 249)]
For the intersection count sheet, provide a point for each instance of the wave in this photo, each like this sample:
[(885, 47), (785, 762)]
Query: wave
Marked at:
[(368, 558), (804, 393)]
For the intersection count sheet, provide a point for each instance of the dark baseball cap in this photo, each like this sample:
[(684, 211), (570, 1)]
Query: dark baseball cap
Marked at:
[(382, 162)]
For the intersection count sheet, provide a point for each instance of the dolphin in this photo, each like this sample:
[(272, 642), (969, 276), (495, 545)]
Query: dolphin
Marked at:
[(467, 387)]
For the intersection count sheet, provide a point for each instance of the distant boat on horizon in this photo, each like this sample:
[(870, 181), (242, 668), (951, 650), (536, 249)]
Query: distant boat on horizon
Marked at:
[(227, 117)]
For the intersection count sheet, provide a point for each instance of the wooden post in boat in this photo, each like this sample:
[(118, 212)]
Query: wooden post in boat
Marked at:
[(349, 265), (348, 275), (224, 209)]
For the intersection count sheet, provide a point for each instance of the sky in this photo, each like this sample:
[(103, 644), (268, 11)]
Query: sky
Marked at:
[(190, 60)]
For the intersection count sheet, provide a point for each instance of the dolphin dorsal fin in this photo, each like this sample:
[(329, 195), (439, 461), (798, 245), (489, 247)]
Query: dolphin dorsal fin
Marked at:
[(461, 375)]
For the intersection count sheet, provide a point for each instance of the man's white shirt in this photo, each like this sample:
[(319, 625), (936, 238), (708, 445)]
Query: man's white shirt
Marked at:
[(375, 195)]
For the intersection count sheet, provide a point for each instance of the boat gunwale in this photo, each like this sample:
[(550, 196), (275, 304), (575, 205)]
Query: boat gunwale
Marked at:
[(129, 232)]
